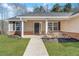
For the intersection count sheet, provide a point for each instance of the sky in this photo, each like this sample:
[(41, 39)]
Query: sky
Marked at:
[(30, 6), (43, 4)]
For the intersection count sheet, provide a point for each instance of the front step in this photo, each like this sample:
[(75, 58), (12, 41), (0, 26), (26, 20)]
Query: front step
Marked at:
[(33, 36)]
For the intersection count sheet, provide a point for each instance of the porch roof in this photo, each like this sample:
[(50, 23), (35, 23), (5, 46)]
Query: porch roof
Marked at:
[(58, 15), (48, 14)]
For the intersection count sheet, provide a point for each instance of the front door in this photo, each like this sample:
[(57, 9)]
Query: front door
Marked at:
[(36, 28)]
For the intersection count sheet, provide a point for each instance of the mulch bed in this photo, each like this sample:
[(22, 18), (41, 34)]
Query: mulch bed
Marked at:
[(61, 39), (68, 40)]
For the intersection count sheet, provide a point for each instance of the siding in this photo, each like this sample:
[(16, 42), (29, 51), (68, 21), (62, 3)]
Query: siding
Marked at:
[(5, 26), (0, 26), (71, 25), (29, 26)]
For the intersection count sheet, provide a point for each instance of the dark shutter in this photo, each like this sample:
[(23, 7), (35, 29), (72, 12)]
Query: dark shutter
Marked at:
[(59, 26)]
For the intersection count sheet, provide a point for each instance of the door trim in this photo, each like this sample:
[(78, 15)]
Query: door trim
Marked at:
[(40, 27)]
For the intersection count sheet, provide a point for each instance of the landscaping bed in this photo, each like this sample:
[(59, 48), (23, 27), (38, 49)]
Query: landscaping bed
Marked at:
[(12, 46)]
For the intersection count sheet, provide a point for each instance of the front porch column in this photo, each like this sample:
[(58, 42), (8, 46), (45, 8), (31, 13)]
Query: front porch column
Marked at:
[(46, 27), (22, 31), (22, 27)]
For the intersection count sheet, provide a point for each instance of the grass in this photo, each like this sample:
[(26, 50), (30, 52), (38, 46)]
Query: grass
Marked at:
[(62, 49), (12, 47)]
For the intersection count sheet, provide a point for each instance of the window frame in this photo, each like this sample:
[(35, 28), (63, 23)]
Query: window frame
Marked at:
[(13, 26), (18, 25), (53, 27)]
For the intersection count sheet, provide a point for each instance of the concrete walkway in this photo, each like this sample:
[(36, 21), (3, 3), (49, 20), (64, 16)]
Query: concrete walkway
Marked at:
[(36, 48)]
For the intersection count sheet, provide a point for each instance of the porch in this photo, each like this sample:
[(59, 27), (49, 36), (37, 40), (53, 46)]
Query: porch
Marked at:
[(39, 28), (33, 27)]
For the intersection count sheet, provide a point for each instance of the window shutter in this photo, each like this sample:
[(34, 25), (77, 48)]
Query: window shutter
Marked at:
[(59, 26)]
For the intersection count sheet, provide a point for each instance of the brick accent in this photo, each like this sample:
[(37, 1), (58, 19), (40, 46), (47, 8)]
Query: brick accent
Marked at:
[(28, 33), (72, 34), (31, 33), (14, 33), (18, 33)]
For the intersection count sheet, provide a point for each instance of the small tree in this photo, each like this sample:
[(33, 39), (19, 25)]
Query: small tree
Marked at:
[(56, 8), (36, 10), (42, 10), (39, 9), (67, 7)]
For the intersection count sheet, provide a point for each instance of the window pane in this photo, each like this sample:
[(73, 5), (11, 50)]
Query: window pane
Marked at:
[(49, 24), (56, 26), (13, 26), (49, 27), (18, 26)]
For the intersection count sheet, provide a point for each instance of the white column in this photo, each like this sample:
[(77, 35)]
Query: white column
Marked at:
[(46, 27), (22, 29)]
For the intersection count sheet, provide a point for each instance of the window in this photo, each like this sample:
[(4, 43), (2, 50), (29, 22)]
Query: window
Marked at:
[(11, 26), (14, 26), (53, 26), (18, 26), (49, 27)]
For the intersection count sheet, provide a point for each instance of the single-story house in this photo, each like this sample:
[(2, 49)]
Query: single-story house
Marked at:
[(43, 23)]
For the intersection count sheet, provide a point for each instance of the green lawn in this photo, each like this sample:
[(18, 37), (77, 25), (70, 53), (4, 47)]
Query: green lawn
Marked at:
[(12, 47), (62, 49)]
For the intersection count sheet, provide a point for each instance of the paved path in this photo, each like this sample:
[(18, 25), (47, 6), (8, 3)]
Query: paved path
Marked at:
[(36, 48)]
